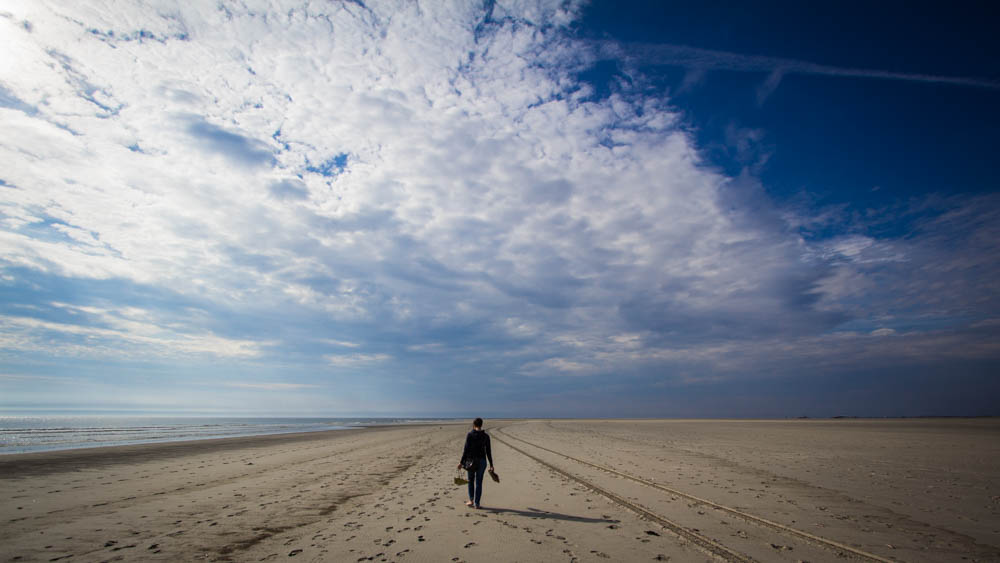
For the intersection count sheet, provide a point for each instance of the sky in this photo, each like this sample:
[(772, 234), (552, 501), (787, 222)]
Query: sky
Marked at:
[(519, 208)]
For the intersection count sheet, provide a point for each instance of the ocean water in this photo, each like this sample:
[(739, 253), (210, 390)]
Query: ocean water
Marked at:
[(20, 434)]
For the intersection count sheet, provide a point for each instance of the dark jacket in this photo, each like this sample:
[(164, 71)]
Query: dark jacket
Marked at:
[(477, 446)]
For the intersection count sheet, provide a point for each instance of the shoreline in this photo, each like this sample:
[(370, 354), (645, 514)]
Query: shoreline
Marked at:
[(15, 465), (261, 427)]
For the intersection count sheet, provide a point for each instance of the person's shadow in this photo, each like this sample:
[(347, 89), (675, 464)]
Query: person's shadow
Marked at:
[(546, 514)]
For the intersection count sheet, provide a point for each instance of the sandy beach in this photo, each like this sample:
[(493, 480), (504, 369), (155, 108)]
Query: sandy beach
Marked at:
[(571, 490)]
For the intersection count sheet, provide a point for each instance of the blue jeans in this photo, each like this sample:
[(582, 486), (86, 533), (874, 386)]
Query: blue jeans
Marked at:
[(476, 480)]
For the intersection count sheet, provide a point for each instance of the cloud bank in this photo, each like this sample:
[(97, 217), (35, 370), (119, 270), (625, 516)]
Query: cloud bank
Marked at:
[(379, 201)]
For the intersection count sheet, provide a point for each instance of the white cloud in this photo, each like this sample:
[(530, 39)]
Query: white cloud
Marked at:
[(340, 343), (115, 334), (350, 360), (473, 165), (557, 366)]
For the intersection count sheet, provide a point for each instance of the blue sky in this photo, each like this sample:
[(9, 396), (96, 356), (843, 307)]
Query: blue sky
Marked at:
[(503, 209)]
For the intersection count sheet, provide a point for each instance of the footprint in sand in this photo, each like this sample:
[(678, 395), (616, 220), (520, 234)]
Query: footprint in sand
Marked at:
[(470, 544)]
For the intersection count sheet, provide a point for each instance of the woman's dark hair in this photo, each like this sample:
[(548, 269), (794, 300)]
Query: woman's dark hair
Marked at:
[(478, 423)]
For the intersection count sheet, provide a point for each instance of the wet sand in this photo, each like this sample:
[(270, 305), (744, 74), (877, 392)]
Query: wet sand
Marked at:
[(907, 490)]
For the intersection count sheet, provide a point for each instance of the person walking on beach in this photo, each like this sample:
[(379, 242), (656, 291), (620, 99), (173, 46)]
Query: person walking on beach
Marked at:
[(474, 456)]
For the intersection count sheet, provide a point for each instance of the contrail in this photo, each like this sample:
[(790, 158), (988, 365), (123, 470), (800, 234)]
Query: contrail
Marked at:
[(707, 59)]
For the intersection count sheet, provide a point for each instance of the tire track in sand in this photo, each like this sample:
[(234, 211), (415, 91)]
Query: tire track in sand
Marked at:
[(702, 541)]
